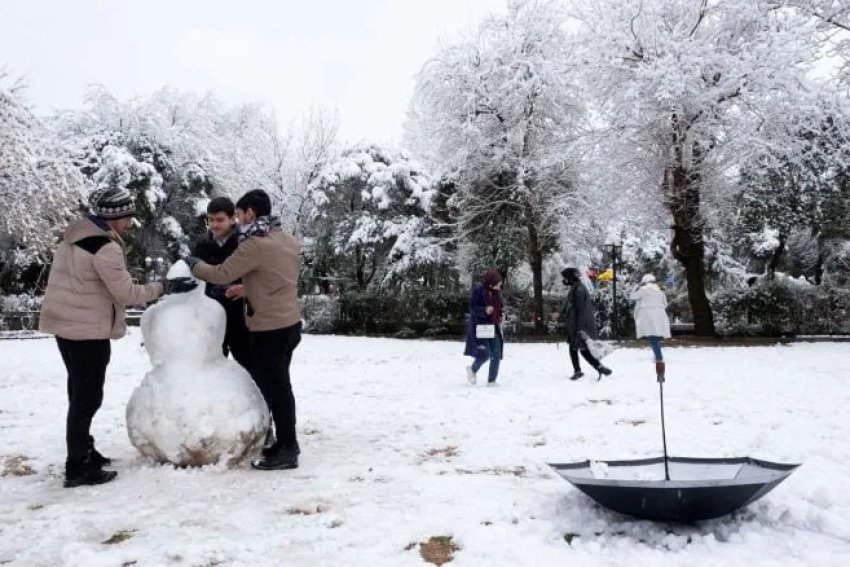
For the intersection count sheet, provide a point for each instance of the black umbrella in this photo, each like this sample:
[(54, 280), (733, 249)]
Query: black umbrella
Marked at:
[(675, 489)]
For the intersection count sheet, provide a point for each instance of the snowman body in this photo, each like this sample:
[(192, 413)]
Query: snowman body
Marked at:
[(194, 407)]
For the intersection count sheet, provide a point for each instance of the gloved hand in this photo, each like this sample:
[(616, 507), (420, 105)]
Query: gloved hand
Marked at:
[(180, 285), (190, 261)]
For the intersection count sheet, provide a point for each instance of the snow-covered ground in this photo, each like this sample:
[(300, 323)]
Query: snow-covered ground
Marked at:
[(397, 448)]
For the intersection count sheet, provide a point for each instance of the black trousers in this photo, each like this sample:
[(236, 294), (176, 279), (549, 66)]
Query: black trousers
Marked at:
[(271, 354), (86, 363), (237, 339), (585, 354)]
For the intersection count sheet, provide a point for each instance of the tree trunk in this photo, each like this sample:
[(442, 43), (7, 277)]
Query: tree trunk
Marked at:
[(689, 250), (535, 260), (682, 184)]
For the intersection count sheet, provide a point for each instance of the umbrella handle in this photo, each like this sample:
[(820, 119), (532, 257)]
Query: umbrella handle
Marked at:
[(663, 428)]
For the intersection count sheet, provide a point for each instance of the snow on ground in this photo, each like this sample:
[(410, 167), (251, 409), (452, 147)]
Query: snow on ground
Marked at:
[(398, 448)]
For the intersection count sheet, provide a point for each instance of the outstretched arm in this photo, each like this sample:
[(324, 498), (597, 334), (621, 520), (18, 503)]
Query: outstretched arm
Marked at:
[(245, 259)]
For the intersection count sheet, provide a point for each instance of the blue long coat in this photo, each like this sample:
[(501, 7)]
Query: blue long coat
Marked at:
[(476, 347)]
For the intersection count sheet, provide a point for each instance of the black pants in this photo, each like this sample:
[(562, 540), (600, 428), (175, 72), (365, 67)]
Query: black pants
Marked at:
[(585, 354), (237, 340), (270, 354), (86, 362)]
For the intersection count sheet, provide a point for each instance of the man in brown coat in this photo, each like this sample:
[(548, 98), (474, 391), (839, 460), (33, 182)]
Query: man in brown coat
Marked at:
[(267, 262), (87, 290)]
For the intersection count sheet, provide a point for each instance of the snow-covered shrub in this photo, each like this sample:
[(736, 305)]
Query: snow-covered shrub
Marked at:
[(320, 313), (20, 302), (25, 308), (603, 301), (421, 309), (782, 305)]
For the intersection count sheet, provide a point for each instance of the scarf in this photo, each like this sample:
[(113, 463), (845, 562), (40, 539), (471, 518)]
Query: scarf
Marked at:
[(493, 296), (494, 299), (260, 227)]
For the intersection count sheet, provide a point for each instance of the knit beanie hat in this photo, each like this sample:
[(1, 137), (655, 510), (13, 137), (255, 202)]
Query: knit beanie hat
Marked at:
[(112, 203)]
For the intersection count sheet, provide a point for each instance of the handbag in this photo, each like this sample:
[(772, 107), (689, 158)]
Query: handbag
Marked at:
[(598, 349), (485, 331)]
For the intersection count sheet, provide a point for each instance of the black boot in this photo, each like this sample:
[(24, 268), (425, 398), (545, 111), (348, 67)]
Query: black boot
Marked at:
[(95, 457), (578, 374), (277, 458), (86, 472), (603, 371)]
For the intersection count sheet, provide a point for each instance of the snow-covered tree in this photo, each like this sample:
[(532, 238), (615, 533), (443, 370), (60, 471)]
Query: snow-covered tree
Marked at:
[(369, 221), (312, 146), (808, 190), (499, 112), (40, 189), (175, 150), (689, 92), (833, 24)]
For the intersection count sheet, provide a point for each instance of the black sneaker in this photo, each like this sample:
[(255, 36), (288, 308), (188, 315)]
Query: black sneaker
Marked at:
[(95, 458), (278, 459), (603, 371), (86, 474), (99, 460), (577, 375)]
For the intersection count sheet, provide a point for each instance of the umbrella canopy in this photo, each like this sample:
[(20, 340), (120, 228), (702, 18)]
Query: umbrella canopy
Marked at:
[(675, 489), (697, 489)]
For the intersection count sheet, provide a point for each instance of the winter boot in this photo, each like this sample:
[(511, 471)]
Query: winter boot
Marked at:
[(603, 371), (578, 374), (95, 457), (470, 375), (278, 459), (86, 473), (660, 367)]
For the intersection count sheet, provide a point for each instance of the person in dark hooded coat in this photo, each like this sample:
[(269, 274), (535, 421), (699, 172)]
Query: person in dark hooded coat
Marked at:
[(485, 308), (579, 321)]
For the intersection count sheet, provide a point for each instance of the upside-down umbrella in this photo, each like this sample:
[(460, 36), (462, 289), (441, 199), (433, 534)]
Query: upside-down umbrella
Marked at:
[(675, 489)]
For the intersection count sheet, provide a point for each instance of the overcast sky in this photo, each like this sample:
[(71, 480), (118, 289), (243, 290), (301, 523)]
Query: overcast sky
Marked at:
[(356, 56)]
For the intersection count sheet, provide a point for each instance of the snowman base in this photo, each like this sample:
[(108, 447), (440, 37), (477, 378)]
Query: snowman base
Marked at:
[(176, 416)]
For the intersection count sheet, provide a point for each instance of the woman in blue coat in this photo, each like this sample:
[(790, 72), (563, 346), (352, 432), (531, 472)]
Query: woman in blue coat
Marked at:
[(485, 308)]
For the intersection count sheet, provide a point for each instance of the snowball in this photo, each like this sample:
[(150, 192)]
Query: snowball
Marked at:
[(195, 407)]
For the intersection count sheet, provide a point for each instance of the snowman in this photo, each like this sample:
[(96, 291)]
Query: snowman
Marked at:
[(195, 407)]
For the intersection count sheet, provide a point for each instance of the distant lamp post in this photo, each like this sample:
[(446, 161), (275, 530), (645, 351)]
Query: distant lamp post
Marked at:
[(153, 268), (614, 251)]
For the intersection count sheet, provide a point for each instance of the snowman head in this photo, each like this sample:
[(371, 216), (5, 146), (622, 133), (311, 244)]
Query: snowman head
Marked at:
[(179, 269), (187, 327)]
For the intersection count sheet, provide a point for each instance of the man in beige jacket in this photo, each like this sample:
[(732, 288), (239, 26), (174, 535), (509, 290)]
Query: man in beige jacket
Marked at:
[(87, 290), (267, 261)]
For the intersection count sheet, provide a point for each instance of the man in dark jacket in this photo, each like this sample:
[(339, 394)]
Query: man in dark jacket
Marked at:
[(580, 323), (220, 243), (267, 260)]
